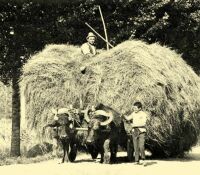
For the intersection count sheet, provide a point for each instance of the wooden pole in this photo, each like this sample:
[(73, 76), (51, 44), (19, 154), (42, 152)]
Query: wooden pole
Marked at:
[(104, 27), (99, 35)]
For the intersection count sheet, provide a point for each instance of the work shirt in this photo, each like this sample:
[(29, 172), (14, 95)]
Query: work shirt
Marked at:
[(138, 120), (87, 48)]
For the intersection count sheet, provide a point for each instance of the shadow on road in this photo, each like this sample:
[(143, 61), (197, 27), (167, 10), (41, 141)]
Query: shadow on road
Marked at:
[(84, 160), (120, 160), (125, 160), (150, 163), (188, 158)]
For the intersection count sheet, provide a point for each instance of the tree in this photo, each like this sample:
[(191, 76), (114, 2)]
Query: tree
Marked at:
[(19, 23)]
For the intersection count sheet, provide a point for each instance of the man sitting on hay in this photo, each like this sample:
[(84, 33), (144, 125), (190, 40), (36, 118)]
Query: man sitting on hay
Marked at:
[(89, 47)]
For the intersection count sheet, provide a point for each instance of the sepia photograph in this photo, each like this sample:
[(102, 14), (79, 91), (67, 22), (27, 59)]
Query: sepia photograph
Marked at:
[(99, 87)]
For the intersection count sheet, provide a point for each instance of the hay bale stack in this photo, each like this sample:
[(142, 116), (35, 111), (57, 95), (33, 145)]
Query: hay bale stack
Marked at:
[(132, 71)]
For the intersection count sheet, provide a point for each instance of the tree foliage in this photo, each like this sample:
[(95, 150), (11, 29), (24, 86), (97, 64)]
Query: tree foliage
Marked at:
[(27, 26)]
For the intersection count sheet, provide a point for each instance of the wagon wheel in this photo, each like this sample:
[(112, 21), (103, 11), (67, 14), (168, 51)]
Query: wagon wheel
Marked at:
[(130, 149), (73, 152)]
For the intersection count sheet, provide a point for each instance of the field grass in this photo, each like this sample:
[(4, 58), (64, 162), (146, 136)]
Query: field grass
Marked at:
[(24, 160), (5, 137), (27, 141)]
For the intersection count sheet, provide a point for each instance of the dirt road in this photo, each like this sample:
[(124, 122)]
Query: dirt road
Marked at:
[(83, 165)]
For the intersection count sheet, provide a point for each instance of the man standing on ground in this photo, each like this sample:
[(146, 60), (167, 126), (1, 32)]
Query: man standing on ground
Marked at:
[(139, 119)]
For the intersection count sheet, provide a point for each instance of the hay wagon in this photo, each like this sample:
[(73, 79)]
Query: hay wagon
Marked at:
[(132, 71)]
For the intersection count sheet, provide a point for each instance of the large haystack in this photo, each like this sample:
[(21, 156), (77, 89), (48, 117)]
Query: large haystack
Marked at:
[(132, 71)]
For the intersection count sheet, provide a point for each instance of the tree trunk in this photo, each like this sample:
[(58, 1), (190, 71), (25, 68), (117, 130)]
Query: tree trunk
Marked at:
[(15, 138)]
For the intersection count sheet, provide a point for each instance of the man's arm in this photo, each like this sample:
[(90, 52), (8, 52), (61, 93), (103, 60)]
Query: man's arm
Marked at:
[(128, 117), (86, 50)]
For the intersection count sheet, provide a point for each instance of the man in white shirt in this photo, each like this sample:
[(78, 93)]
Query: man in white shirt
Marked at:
[(89, 48), (139, 119)]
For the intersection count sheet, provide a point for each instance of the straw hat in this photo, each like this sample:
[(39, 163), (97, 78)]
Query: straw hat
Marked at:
[(90, 34)]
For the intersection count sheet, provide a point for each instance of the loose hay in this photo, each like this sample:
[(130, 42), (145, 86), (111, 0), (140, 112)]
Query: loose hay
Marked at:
[(48, 79), (132, 71)]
